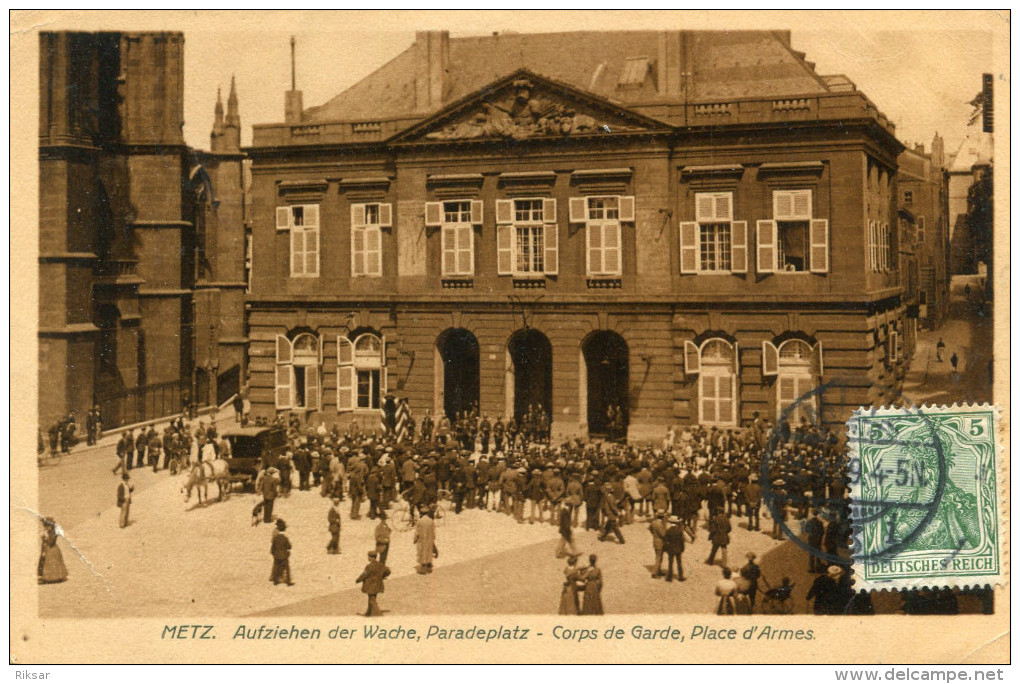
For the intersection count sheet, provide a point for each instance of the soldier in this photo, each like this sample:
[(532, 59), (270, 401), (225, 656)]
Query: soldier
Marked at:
[(611, 513), (426, 426), (333, 518), (382, 538), (372, 491), (356, 487), (719, 533), (752, 498), (280, 550), (658, 530), (485, 431), (498, 434), (124, 490), (673, 545), (129, 448)]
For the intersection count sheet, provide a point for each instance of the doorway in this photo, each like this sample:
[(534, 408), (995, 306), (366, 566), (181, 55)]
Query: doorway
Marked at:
[(457, 377), (530, 354), (607, 366)]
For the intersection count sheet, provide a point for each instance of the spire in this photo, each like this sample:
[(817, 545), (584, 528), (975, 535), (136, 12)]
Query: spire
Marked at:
[(219, 108), (293, 106), (293, 65), (233, 118)]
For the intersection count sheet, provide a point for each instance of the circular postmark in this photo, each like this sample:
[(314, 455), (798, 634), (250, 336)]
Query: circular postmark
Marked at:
[(902, 512)]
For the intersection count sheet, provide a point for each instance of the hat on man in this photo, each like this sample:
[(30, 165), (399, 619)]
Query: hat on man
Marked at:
[(835, 571), (281, 525), (373, 554)]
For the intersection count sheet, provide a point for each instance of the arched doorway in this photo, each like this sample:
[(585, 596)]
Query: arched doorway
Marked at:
[(530, 354), (607, 365), (457, 375)]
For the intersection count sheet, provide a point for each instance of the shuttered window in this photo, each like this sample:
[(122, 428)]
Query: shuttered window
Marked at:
[(302, 220), (458, 236), (801, 242), (367, 222)]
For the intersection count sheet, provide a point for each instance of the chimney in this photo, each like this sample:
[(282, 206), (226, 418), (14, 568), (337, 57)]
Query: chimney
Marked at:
[(667, 68), (432, 61), (294, 102)]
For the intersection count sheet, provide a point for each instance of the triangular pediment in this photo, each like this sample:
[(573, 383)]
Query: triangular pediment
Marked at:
[(527, 106)]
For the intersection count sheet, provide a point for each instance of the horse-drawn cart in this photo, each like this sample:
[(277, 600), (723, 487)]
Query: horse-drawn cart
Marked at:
[(251, 449)]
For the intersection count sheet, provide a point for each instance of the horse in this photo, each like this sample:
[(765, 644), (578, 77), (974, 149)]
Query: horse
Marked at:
[(199, 476)]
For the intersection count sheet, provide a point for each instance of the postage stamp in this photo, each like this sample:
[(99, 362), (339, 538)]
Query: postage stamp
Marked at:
[(925, 502)]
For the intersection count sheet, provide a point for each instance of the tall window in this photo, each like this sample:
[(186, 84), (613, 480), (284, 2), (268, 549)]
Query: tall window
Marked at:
[(880, 252), (714, 243), (602, 216), (798, 369), (361, 372), (527, 239), (298, 365), (920, 229), (456, 220), (793, 241), (367, 222), (717, 385), (302, 221)]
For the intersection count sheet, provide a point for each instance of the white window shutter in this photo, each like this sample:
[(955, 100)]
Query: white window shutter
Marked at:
[(357, 250), (449, 249), (344, 351), (382, 367), (593, 254), (433, 214), (551, 238), (312, 388), (311, 216), (345, 384), (311, 235), (284, 350), (736, 359), (689, 256), (297, 252), (385, 215), (504, 211), (476, 213), (704, 207), (817, 361), (738, 247), (373, 251), (504, 249), (549, 211), (767, 248), (692, 358), (769, 358), (357, 215), (801, 204), (578, 209), (626, 205), (612, 249), (782, 205), (465, 250), (284, 386), (724, 206), (819, 246), (283, 218)]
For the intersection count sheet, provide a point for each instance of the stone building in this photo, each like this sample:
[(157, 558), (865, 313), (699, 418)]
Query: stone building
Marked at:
[(140, 237), (923, 208), (695, 227)]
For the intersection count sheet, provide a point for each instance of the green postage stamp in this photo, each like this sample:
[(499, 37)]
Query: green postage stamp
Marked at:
[(926, 504)]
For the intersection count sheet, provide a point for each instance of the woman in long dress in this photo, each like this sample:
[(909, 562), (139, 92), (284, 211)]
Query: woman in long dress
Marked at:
[(425, 539), (51, 560), (569, 604), (592, 603)]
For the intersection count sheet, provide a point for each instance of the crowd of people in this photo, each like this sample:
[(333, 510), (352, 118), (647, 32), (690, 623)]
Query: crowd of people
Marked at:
[(699, 482)]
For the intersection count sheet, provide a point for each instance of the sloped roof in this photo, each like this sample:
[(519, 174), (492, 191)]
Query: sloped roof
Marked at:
[(723, 65), (975, 149)]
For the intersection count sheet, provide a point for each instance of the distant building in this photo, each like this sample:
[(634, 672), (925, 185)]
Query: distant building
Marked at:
[(694, 227), (141, 260), (968, 163), (923, 207)]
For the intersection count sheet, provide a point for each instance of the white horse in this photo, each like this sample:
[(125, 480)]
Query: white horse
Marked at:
[(201, 473)]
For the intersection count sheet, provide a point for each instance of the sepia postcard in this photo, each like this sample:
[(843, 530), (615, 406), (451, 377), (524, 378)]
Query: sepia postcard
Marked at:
[(509, 337)]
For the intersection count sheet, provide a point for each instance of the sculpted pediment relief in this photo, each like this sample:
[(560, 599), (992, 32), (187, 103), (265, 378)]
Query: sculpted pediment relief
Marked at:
[(527, 108)]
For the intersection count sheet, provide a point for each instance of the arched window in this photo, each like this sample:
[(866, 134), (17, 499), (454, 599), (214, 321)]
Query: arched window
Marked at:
[(361, 372), (717, 384), (797, 377), (298, 367)]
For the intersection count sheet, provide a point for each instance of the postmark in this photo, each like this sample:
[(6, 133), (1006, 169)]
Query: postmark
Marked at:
[(925, 500)]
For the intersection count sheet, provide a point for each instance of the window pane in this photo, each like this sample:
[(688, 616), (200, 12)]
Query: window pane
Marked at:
[(364, 389), (374, 375), (457, 212), (371, 214)]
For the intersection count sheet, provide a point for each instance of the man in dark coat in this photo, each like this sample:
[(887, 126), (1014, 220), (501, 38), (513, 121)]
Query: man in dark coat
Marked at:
[(280, 550), (372, 492), (658, 530), (751, 573), (752, 497), (815, 529), (382, 537), (825, 591), (673, 545), (333, 518), (719, 534), (270, 490), (371, 581), (611, 514), (592, 502), (485, 431), (303, 464)]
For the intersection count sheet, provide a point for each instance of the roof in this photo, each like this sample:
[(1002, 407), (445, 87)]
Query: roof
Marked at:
[(623, 66), (251, 431), (975, 150)]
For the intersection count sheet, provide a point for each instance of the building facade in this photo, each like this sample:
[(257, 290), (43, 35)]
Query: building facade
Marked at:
[(924, 209), (689, 227), (120, 259)]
